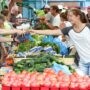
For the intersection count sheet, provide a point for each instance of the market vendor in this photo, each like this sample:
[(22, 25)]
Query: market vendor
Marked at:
[(79, 32), (4, 39), (55, 19)]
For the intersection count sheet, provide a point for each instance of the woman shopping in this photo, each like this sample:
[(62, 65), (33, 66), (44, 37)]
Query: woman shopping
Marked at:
[(79, 33)]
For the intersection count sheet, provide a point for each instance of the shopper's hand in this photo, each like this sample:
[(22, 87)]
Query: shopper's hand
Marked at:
[(45, 21), (5, 53), (20, 32), (31, 31), (16, 40), (62, 25)]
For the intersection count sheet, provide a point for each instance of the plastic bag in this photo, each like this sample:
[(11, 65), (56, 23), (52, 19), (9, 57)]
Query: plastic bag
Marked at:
[(25, 37), (62, 46), (47, 38), (57, 67)]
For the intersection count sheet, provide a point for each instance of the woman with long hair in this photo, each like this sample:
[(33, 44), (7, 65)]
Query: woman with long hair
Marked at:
[(79, 33)]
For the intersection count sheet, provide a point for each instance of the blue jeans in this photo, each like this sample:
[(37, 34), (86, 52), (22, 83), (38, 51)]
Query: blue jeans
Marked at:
[(85, 67)]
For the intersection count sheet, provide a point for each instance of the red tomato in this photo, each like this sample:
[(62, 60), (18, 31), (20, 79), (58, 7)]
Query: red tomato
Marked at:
[(73, 85), (75, 74), (61, 73), (83, 85), (49, 71)]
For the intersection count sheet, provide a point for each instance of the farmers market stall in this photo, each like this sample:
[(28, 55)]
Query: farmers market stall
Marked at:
[(48, 80), (43, 72), (37, 64)]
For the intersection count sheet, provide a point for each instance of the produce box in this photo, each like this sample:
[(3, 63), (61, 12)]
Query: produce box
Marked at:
[(76, 88), (54, 88), (15, 88), (25, 88), (64, 88), (41, 88), (44, 88), (5, 87), (35, 88), (67, 60), (89, 88)]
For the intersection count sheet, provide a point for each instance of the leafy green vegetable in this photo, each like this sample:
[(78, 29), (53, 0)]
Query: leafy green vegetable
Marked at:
[(37, 63), (53, 45), (25, 46)]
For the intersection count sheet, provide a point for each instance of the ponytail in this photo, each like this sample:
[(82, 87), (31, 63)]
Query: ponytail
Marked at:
[(83, 18)]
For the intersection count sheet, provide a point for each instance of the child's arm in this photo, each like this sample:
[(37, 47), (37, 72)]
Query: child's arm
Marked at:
[(4, 49), (3, 31), (4, 39)]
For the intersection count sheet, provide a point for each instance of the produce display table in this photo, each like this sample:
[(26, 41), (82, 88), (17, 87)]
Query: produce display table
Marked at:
[(67, 61)]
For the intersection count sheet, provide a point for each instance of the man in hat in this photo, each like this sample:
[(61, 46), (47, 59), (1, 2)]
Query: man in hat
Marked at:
[(55, 22), (48, 15)]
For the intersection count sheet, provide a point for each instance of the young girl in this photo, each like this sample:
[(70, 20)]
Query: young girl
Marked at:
[(3, 49), (7, 25), (79, 34)]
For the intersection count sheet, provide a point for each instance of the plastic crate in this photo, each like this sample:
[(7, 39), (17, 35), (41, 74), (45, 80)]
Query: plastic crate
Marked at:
[(54, 88), (64, 88), (15, 88), (44, 88), (35, 88), (76, 88), (6, 87), (25, 88)]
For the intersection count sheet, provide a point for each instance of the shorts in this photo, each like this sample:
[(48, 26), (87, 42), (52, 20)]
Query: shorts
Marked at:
[(85, 68)]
